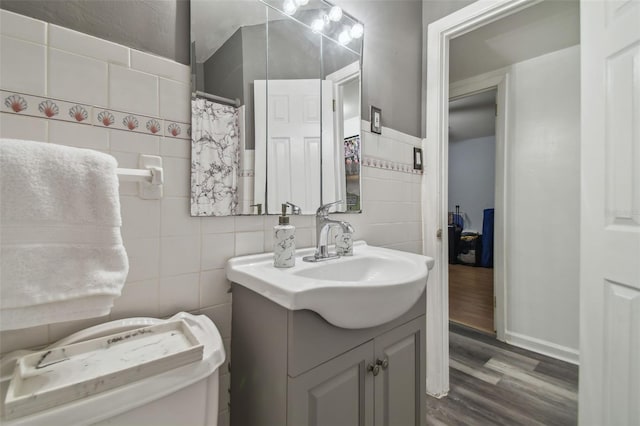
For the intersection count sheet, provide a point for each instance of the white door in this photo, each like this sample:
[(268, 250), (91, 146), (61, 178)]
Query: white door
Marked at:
[(290, 124), (610, 214)]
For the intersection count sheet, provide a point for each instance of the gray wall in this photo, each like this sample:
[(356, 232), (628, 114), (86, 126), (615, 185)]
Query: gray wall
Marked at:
[(160, 27), (335, 57), (254, 45), (472, 178), (392, 60), (294, 51), (223, 70)]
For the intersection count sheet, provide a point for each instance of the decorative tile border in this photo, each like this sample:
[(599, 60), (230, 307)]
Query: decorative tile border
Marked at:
[(35, 106), (56, 109), (379, 163)]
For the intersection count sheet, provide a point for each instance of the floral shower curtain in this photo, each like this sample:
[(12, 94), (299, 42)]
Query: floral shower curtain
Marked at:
[(215, 146)]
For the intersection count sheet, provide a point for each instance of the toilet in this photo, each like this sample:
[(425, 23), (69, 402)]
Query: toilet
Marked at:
[(147, 387)]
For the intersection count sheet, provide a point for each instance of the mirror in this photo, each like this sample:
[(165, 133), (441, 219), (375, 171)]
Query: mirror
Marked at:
[(275, 106)]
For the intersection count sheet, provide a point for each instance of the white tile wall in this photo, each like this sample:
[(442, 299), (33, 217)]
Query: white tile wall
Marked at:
[(21, 127), (134, 142), (23, 66), (160, 66), (176, 219), (173, 103), (83, 44), (176, 261), (78, 135), (179, 255), (144, 259), (216, 249), (134, 91), (23, 27), (177, 179), (75, 77), (179, 293), (179, 148), (138, 299)]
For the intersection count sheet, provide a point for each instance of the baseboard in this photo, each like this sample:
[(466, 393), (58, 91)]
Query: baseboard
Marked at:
[(543, 347)]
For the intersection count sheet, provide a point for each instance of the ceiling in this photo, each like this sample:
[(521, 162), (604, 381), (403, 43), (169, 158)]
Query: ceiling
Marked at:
[(543, 28), (214, 21), (472, 116)]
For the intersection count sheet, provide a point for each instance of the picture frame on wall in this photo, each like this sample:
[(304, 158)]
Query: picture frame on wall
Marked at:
[(376, 120)]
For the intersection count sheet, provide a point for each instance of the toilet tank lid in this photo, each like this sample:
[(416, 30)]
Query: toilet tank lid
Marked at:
[(199, 341)]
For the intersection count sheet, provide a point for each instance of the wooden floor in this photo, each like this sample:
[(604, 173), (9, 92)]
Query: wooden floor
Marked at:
[(471, 296), (492, 383)]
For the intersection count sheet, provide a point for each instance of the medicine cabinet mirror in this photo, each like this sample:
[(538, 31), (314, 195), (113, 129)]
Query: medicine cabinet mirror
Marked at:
[(276, 106)]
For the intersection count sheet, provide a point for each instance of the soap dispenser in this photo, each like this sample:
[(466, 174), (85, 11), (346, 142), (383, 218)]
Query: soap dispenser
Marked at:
[(284, 242)]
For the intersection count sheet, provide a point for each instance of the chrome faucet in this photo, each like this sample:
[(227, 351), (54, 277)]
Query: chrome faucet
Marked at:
[(323, 229), (294, 209)]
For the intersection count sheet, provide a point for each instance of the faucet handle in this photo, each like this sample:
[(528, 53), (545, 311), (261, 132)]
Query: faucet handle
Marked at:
[(294, 209), (324, 209)]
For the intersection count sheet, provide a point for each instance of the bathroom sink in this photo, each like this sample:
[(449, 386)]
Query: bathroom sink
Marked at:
[(372, 287)]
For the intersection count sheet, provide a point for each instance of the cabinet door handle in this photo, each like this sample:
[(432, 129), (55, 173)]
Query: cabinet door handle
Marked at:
[(374, 368), (383, 363)]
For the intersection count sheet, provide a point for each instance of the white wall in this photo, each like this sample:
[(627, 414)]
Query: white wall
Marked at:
[(543, 193), (472, 178), (176, 261), (351, 126)]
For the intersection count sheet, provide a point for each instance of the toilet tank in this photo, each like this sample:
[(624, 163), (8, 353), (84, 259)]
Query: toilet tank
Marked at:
[(184, 395)]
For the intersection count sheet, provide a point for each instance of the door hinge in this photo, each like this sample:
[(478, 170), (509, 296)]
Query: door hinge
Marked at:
[(496, 105), (334, 105), (495, 302)]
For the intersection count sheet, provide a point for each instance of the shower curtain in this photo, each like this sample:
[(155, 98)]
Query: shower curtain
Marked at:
[(214, 158)]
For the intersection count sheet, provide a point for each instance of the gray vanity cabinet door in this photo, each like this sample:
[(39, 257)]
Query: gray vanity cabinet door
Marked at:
[(336, 393), (400, 386)]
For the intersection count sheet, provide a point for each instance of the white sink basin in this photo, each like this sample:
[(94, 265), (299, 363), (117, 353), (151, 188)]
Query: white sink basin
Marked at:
[(372, 287)]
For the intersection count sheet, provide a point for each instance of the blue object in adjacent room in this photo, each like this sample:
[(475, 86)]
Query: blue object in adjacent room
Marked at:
[(487, 239)]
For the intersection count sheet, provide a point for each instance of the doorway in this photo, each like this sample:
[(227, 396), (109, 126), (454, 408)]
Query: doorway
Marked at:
[(541, 336), (472, 185)]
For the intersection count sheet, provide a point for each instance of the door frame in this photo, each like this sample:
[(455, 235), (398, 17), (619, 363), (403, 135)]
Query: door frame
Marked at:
[(338, 79), (435, 178), (494, 80)]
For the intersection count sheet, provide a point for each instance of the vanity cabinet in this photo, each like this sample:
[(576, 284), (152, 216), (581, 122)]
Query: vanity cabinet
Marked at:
[(294, 368)]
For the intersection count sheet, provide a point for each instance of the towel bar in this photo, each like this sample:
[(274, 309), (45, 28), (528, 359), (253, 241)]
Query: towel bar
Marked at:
[(150, 176)]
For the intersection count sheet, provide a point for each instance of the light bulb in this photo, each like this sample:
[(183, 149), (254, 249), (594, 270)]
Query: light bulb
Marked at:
[(335, 13), (344, 37), (317, 25), (302, 2), (289, 7), (356, 31)]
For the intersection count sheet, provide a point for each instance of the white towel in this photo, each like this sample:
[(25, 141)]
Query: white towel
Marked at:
[(62, 256)]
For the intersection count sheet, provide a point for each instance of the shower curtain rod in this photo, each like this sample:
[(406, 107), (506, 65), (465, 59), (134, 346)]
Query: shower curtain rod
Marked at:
[(233, 102)]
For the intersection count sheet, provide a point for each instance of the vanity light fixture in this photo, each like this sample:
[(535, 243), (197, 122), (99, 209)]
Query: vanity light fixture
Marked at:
[(317, 25), (289, 7), (356, 31), (344, 38), (335, 14)]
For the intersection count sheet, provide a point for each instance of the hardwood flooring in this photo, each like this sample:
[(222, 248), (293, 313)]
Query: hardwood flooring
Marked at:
[(471, 296), (492, 383)]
